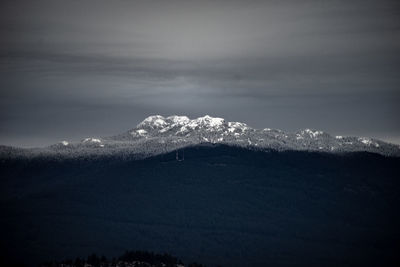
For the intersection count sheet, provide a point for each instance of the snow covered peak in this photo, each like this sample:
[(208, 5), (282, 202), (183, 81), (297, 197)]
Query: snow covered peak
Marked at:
[(157, 121), (178, 119), (310, 133), (207, 121), (175, 125)]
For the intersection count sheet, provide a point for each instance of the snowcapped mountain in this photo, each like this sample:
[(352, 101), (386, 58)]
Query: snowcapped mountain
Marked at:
[(157, 134)]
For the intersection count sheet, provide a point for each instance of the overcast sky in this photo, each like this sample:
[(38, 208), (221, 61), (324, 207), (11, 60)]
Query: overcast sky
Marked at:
[(72, 69)]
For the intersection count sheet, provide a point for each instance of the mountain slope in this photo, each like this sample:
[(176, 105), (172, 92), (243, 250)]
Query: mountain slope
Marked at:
[(221, 205)]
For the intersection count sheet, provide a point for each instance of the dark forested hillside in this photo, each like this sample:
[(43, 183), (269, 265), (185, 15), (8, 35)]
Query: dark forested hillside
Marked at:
[(220, 205)]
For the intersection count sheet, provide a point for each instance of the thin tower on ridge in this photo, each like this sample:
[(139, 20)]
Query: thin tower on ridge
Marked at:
[(180, 158)]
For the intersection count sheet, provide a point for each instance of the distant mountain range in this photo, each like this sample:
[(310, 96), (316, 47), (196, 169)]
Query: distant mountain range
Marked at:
[(158, 135)]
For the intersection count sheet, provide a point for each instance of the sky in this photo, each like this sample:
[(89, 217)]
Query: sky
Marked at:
[(73, 69)]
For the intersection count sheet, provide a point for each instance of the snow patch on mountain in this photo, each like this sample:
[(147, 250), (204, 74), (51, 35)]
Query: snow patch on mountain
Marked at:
[(91, 140), (237, 127), (141, 132), (310, 133), (368, 141), (64, 143)]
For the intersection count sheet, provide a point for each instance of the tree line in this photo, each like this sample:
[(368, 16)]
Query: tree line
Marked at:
[(132, 258)]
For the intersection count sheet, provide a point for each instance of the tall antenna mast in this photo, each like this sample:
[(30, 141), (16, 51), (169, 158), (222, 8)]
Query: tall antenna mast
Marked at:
[(177, 155)]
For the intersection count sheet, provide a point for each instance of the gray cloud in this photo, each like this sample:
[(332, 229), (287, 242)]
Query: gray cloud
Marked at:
[(75, 68)]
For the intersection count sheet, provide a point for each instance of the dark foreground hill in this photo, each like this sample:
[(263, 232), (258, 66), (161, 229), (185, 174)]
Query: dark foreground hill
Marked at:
[(221, 205)]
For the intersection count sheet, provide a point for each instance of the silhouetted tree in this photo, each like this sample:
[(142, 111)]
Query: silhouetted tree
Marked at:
[(93, 260)]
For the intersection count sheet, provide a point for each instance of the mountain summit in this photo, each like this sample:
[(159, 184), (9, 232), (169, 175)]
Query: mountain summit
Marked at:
[(158, 134)]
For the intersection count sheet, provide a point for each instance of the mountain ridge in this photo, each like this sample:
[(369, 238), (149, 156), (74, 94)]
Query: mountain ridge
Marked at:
[(157, 134)]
